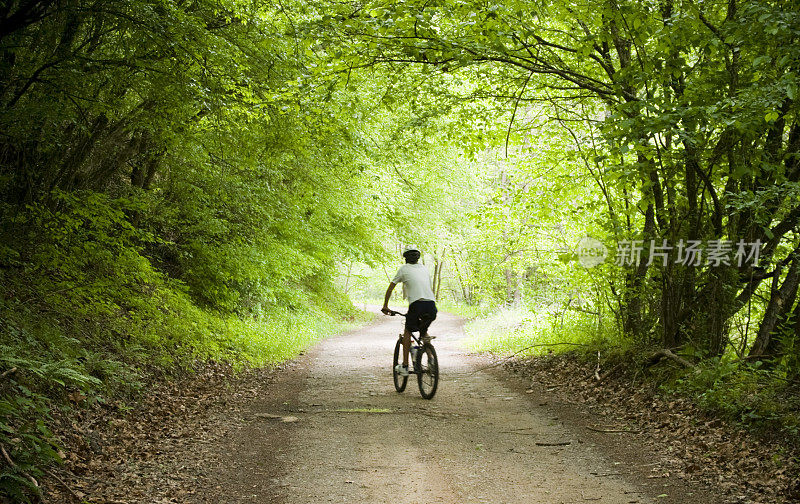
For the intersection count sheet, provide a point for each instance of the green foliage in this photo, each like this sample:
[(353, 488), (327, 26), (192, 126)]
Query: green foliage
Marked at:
[(23, 430), (759, 399), (461, 309), (525, 333), (37, 371)]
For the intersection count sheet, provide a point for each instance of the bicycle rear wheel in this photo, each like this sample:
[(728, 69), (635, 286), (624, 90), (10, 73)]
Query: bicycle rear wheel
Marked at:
[(427, 368), (399, 381)]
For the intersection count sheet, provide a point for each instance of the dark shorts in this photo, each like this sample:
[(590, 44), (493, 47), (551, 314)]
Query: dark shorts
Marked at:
[(420, 315)]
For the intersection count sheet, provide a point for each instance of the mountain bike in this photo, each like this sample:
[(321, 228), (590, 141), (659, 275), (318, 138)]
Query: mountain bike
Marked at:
[(424, 361)]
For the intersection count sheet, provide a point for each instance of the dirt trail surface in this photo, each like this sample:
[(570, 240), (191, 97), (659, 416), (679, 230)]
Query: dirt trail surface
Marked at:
[(333, 429)]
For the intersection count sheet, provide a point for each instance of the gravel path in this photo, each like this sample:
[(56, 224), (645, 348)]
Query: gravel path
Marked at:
[(333, 429)]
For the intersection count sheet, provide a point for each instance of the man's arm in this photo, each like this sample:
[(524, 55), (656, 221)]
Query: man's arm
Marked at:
[(385, 308)]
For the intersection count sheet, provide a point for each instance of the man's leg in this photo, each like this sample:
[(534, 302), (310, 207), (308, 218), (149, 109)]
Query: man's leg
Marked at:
[(426, 321), (406, 346), (412, 324)]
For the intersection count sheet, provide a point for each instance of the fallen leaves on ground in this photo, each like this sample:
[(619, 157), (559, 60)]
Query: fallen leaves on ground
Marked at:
[(693, 445), (159, 450)]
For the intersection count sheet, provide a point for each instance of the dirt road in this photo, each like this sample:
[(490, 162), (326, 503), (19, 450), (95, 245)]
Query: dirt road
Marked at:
[(334, 430)]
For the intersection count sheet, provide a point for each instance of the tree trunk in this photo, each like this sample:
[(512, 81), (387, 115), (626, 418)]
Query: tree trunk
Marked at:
[(634, 322), (438, 277), (780, 304), (467, 298)]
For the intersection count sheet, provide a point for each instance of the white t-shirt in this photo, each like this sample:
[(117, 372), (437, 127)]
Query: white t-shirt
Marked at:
[(417, 281)]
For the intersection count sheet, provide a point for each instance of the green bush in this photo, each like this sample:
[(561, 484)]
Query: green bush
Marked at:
[(759, 399), (526, 333)]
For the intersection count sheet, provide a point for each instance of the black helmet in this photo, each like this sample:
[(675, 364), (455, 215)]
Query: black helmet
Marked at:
[(410, 248)]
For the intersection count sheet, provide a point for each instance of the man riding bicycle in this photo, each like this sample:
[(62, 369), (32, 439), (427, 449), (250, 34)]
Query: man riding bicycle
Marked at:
[(421, 301)]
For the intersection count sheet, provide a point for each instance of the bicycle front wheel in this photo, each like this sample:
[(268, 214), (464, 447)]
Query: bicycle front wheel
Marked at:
[(399, 380), (426, 366)]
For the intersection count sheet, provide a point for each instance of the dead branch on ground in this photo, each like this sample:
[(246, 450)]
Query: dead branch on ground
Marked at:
[(666, 353)]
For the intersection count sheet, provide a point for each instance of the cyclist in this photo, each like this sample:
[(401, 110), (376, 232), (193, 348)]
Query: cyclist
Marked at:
[(421, 302)]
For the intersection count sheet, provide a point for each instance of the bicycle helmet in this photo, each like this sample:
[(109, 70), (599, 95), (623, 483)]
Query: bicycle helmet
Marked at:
[(410, 248)]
